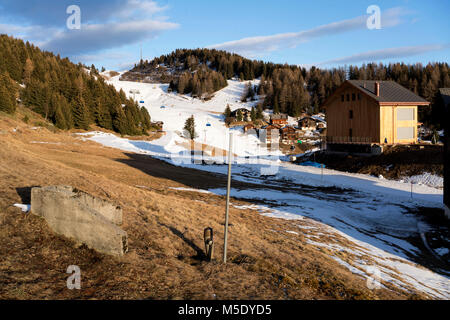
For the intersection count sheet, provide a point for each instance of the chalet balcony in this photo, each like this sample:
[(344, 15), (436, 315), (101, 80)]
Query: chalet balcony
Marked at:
[(350, 140)]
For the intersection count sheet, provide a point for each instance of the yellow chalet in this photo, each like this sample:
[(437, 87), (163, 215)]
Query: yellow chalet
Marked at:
[(363, 113)]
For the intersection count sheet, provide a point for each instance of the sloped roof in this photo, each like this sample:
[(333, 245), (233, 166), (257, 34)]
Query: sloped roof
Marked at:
[(288, 128), (314, 118), (390, 91), (279, 116)]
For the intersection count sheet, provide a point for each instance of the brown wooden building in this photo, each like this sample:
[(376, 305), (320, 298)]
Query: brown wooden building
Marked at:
[(270, 133), (280, 119), (365, 113), (445, 96), (288, 135), (307, 123), (311, 123)]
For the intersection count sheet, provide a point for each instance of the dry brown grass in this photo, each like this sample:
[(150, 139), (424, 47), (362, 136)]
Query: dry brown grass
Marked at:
[(165, 229)]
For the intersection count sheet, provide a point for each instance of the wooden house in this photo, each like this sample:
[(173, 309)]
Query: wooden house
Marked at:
[(270, 134), (246, 114), (445, 100), (159, 125), (309, 123), (280, 119), (368, 113), (288, 135)]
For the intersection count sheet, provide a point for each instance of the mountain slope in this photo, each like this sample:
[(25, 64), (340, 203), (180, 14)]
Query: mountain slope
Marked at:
[(165, 228), (68, 95), (285, 88)]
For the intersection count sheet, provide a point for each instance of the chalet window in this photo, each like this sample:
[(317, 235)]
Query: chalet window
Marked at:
[(342, 98), (350, 134), (405, 114), (350, 114), (359, 96), (348, 97), (405, 133), (353, 97)]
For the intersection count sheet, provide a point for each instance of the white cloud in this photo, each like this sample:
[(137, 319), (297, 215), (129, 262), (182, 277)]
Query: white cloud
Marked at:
[(383, 54), (123, 22), (95, 37), (141, 8), (255, 46)]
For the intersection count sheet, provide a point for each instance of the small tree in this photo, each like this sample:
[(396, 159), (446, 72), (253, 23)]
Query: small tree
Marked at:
[(189, 128), (80, 113), (259, 112), (227, 112), (6, 101), (253, 114), (240, 117)]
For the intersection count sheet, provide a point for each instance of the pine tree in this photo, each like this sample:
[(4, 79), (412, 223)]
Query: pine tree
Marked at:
[(120, 121), (189, 128), (276, 107), (146, 120), (259, 112), (27, 71), (6, 102), (239, 116), (227, 112), (60, 121), (80, 113), (253, 114)]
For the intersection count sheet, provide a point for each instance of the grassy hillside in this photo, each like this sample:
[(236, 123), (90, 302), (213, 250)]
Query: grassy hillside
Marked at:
[(165, 229)]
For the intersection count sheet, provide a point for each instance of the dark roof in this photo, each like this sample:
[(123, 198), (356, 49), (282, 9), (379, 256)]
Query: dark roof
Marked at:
[(241, 109), (313, 118), (445, 93), (279, 116), (390, 91)]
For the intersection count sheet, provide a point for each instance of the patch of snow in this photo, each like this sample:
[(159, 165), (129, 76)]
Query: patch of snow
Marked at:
[(192, 190), (442, 251), (43, 142), (24, 207)]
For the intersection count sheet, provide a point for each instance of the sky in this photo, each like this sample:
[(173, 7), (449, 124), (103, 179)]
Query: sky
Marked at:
[(323, 33)]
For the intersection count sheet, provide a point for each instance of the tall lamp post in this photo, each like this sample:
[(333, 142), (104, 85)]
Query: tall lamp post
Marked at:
[(228, 199)]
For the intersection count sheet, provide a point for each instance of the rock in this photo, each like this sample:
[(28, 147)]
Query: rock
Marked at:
[(81, 217)]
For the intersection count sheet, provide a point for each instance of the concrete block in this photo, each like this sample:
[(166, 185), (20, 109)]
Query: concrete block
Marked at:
[(81, 217)]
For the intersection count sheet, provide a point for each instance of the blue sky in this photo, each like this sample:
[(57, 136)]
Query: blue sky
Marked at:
[(321, 32)]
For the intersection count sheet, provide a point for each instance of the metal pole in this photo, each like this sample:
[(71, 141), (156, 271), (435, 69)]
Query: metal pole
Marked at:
[(228, 200)]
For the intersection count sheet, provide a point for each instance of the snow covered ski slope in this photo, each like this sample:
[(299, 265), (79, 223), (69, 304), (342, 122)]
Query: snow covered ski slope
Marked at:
[(174, 109)]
